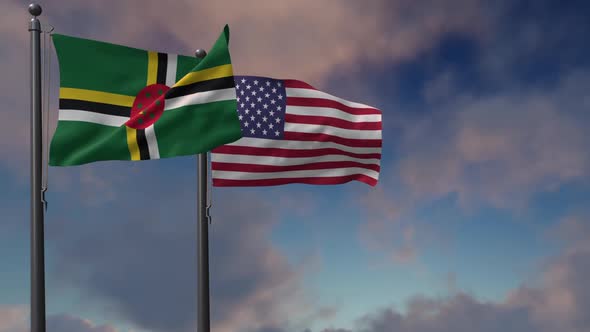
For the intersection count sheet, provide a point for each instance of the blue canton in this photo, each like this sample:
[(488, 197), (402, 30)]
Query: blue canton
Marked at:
[(261, 106)]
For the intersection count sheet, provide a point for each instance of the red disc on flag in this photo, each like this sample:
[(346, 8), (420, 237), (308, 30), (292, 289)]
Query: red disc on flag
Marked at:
[(148, 106)]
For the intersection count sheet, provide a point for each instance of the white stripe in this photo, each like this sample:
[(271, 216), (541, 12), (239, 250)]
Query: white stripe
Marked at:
[(93, 117), (299, 145), (200, 98), (333, 113), (152, 141), (316, 173), (171, 70), (282, 161), (333, 131), (308, 93)]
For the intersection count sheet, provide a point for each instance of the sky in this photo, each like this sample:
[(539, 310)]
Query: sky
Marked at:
[(480, 220)]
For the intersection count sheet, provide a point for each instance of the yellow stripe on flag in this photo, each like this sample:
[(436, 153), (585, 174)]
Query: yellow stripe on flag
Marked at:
[(152, 70), (205, 74), (132, 143), (96, 96), (152, 78)]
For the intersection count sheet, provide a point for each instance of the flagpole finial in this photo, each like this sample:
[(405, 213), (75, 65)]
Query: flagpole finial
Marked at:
[(35, 9), (200, 53)]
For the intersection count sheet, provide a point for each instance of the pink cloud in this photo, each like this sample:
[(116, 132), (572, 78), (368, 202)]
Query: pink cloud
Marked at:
[(16, 319), (499, 149), (560, 299), (305, 39), (386, 229), (557, 300), (496, 150), (13, 318)]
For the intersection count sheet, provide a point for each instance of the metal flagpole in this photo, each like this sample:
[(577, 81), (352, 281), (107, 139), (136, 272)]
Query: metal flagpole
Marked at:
[(37, 236), (203, 320)]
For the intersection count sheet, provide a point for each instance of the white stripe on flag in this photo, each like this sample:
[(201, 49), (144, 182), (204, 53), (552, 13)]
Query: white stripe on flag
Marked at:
[(152, 141), (171, 70), (261, 160), (309, 93), (333, 131), (299, 145), (333, 113), (316, 173), (92, 117), (200, 98)]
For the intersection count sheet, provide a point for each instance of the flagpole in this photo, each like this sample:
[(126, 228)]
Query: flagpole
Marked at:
[(37, 236), (203, 320)]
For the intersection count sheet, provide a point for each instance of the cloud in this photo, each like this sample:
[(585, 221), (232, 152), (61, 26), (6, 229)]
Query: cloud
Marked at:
[(544, 42), (279, 39), (487, 138), (392, 228), (16, 319), (563, 301), (457, 314), (496, 150), (572, 229), (499, 149), (136, 259), (68, 323), (96, 183), (255, 285), (13, 318), (558, 300), (386, 229)]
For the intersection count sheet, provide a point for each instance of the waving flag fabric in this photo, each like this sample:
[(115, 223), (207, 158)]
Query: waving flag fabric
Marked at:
[(294, 133), (123, 103)]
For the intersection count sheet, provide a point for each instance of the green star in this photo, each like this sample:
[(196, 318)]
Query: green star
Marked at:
[(152, 115), (147, 94), (140, 120), (158, 102), (139, 106), (160, 91)]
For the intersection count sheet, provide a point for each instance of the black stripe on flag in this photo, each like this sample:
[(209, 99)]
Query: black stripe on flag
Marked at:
[(82, 105), (144, 151), (162, 66), (214, 84)]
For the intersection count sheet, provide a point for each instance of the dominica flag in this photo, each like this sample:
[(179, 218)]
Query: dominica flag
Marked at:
[(123, 103)]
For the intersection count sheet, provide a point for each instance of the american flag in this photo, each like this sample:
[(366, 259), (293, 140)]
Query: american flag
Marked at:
[(294, 133)]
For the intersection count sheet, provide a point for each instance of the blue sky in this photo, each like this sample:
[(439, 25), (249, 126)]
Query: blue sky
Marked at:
[(480, 217)]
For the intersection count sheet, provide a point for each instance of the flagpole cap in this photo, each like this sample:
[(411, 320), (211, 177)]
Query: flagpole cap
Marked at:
[(35, 9), (200, 53)]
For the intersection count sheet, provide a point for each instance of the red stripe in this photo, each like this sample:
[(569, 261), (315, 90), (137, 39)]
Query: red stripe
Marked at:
[(319, 102), (310, 180), (361, 143), (289, 153), (333, 122), (297, 84), (253, 168)]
